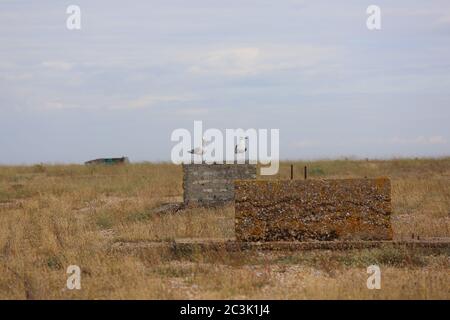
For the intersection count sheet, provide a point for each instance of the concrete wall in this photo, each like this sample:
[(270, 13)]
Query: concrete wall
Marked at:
[(331, 209), (211, 184)]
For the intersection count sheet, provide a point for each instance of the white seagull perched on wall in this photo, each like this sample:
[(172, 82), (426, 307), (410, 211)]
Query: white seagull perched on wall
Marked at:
[(199, 150), (240, 147)]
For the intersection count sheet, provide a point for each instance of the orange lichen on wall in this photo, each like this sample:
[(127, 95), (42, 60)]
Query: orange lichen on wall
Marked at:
[(334, 209)]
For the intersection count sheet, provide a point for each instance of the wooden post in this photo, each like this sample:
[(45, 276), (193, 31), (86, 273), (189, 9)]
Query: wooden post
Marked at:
[(292, 171), (306, 172)]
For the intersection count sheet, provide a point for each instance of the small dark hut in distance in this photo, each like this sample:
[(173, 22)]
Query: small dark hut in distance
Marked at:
[(108, 161)]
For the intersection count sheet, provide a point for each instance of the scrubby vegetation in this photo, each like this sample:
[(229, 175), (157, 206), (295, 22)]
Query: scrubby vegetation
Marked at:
[(53, 216)]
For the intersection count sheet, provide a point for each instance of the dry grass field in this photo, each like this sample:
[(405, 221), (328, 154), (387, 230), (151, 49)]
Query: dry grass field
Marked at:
[(53, 216)]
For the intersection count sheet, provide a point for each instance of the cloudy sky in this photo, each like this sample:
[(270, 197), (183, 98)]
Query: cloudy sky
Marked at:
[(137, 70)]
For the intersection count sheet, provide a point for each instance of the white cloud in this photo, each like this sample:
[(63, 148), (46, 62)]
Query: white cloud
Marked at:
[(420, 140), (238, 61), (7, 65), (113, 102), (437, 140), (443, 21), (17, 76), (303, 144), (242, 61), (191, 111), (406, 11), (54, 105), (149, 101), (57, 65), (63, 104)]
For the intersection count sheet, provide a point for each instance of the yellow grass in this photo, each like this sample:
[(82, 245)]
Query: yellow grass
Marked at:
[(53, 216)]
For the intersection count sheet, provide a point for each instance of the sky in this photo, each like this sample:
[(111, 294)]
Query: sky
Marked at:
[(138, 70)]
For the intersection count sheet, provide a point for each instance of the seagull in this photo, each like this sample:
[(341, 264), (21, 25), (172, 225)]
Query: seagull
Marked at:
[(199, 150), (240, 147)]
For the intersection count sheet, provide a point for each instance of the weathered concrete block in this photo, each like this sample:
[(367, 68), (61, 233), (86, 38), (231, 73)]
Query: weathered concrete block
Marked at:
[(213, 184), (344, 209)]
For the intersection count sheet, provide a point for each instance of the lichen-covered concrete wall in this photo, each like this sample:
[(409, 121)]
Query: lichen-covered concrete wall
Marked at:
[(340, 209), (211, 184)]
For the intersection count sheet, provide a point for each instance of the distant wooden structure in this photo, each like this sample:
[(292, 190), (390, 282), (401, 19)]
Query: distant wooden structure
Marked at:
[(108, 161)]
